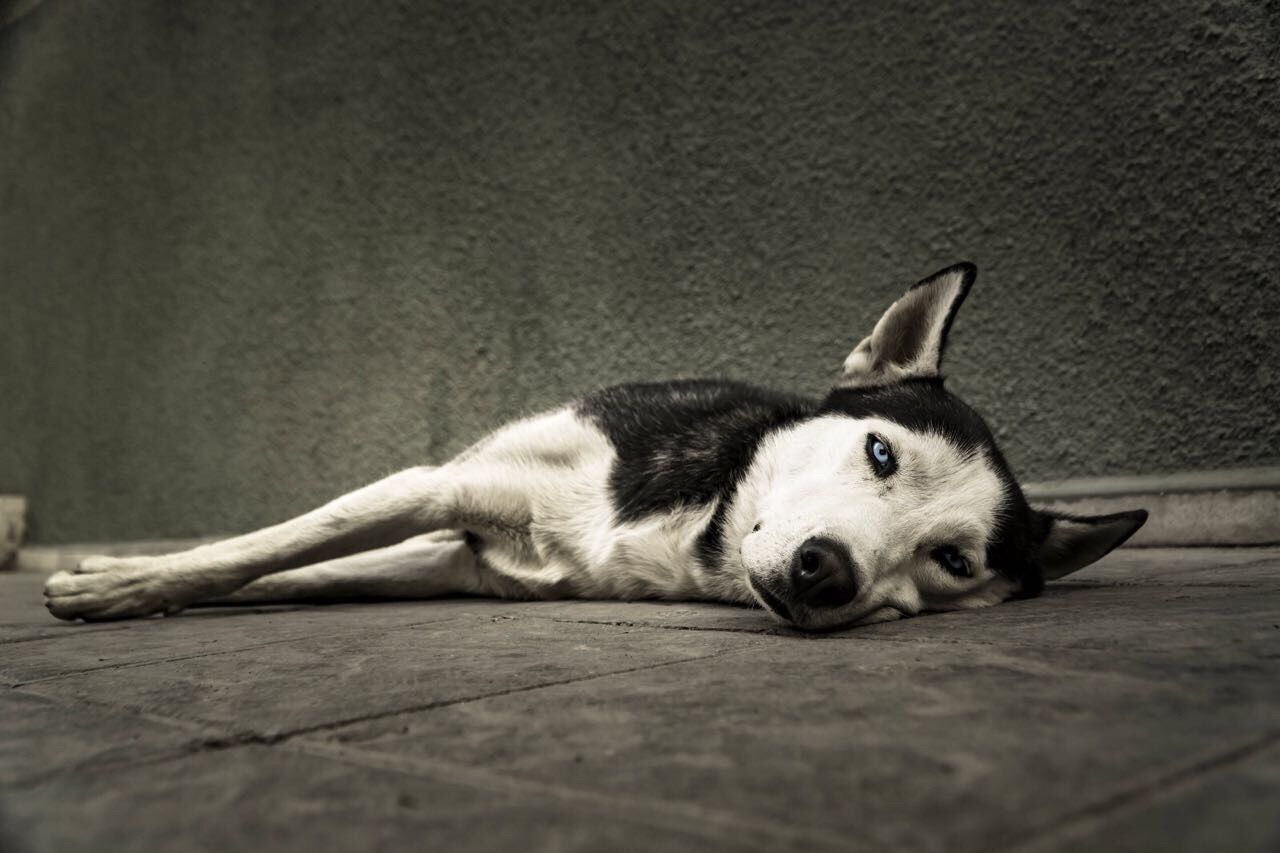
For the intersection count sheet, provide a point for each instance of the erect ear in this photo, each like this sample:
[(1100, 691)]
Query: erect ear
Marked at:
[(908, 341), (1073, 542)]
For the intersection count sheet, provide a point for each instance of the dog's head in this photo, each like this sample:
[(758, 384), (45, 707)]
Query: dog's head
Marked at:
[(894, 498)]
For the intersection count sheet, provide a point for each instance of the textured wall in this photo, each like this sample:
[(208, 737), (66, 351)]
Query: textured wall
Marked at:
[(253, 254)]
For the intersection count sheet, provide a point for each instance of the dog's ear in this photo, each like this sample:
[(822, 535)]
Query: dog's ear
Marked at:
[(908, 341), (1072, 542)]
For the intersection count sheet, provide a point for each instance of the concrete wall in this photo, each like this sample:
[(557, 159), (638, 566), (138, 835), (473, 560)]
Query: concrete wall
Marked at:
[(253, 254)]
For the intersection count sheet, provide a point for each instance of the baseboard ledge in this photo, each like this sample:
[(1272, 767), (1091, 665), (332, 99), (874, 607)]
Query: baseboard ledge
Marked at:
[(1221, 480), (1231, 507), (60, 558)]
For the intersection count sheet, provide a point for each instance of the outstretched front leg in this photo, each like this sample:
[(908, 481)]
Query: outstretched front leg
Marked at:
[(426, 566), (411, 502)]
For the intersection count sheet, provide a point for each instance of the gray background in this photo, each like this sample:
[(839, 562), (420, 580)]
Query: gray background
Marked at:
[(255, 254)]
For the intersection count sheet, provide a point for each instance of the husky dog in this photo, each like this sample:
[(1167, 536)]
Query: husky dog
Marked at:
[(885, 499)]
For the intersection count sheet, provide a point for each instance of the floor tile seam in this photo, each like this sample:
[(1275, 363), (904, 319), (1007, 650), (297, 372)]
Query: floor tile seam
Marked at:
[(841, 636), (70, 632), (208, 736), (1056, 670), (198, 729), (1089, 816), (773, 631), (778, 631), (214, 735), (1042, 645), (686, 816), (211, 734), (62, 676), (278, 737), (1069, 584), (98, 765)]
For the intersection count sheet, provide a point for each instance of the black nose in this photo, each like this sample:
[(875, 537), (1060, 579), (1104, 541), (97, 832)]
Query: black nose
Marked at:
[(822, 574)]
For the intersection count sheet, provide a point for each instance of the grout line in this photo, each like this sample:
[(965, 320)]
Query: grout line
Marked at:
[(774, 631), (97, 763), (134, 664), (1092, 815), (686, 816), (279, 737), (69, 631), (846, 635), (196, 727), (842, 635), (217, 652), (205, 741)]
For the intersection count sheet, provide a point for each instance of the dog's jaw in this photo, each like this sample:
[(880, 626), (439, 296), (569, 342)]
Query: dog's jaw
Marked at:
[(770, 602)]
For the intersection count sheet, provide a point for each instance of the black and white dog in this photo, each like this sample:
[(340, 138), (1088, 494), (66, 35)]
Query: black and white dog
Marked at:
[(885, 499)]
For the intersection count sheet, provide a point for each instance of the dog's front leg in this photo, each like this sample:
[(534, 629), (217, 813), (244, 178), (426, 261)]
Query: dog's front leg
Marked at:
[(425, 566), (413, 501)]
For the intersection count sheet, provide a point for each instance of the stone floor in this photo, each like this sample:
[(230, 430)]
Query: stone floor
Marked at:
[(1136, 708)]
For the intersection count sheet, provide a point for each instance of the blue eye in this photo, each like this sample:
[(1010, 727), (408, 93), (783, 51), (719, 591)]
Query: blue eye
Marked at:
[(948, 556), (882, 461)]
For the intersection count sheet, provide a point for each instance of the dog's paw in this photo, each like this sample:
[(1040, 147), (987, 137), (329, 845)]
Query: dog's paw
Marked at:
[(103, 588)]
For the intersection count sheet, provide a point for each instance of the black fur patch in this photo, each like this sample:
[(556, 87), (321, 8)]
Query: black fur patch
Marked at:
[(921, 405), (687, 443)]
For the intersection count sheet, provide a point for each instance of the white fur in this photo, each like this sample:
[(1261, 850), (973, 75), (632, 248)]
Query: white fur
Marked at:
[(535, 496), (536, 493), (815, 480)]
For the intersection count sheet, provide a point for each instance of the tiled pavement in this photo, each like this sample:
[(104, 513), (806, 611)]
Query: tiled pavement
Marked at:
[(1134, 708)]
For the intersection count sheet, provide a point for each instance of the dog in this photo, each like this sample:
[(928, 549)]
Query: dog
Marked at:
[(885, 499)]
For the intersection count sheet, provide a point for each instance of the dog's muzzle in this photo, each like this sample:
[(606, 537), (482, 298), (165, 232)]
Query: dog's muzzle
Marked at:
[(822, 574)]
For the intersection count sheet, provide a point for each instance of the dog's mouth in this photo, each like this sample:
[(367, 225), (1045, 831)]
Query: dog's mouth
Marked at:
[(771, 601), (778, 607)]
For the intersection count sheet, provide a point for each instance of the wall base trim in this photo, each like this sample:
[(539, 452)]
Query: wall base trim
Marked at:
[(1239, 506), (61, 558), (1221, 480)]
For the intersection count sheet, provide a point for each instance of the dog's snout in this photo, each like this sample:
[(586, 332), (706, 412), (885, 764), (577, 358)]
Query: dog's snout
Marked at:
[(822, 573)]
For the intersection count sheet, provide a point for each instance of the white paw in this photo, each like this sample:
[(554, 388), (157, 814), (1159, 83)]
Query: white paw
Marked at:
[(115, 588)]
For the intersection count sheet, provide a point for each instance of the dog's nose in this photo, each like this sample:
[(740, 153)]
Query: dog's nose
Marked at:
[(822, 573)]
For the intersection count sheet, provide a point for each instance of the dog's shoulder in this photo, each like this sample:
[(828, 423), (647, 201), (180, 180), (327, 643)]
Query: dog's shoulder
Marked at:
[(685, 442)]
